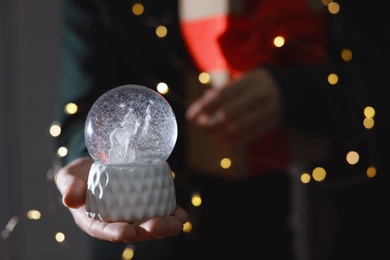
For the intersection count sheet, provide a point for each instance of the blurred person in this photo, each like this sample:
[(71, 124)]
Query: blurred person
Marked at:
[(261, 98)]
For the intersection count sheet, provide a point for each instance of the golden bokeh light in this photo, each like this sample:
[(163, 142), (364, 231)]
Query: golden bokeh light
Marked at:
[(352, 157), (226, 163), (128, 253), (371, 172), (187, 227), (368, 123), (305, 177), (346, 55), (162, 88), (60, 237), (279, 41), (204, 78), (326, 2), (333, 79), (161, 31), (33, 214), (333, 8), (369, 112), (55, 130), (137, 9), (319, 174), (196, 200), (71, 108), (62, 151)]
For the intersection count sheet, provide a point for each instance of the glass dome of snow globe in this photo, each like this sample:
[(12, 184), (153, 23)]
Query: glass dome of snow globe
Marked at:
[(130, 124)]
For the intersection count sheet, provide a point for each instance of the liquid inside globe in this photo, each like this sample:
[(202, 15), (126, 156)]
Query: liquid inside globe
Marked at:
[(130, 124)]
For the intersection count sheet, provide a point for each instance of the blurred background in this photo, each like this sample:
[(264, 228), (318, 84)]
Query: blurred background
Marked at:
[(32, 219), (33, 222)]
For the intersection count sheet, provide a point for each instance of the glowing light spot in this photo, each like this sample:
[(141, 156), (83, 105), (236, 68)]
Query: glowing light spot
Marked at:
[(196, 200), (173, 175), (55, 130), (204, 78), (279, 41), (60, 237), (352, 157), (333, 8), (226, 163), (368, 123), (305, 177), (187, 227), (162, 88), (4, 233), (161, 31), (128, 253), (333, 79), (371, 171), (346, 55), (33, 214), (369, 112), (319, 174), (71, 108), (326, 2), (10, 227), (137, 9), (62, 151)]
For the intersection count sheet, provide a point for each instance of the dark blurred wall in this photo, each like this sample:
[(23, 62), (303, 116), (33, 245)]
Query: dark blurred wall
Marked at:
[(364, 208)]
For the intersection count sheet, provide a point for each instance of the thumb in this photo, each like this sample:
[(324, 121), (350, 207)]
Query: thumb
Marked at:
[(74, 193), (71, 181)]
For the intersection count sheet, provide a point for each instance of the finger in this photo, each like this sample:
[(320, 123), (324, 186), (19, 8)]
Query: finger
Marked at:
[(162, 227), (74, 195), (206, 120), (72, 189), (159, 228), (207, 104), (181, 214), (71, 181), (152, 228), (114, 232)]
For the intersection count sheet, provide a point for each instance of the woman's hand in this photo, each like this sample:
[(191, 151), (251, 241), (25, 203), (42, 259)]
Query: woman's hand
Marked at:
[(71, 181), (241, 110)]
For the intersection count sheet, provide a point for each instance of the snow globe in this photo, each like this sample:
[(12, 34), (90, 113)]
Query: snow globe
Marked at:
[(130, 132)]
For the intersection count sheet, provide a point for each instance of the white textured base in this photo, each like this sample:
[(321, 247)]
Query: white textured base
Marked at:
[(130, 193)]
